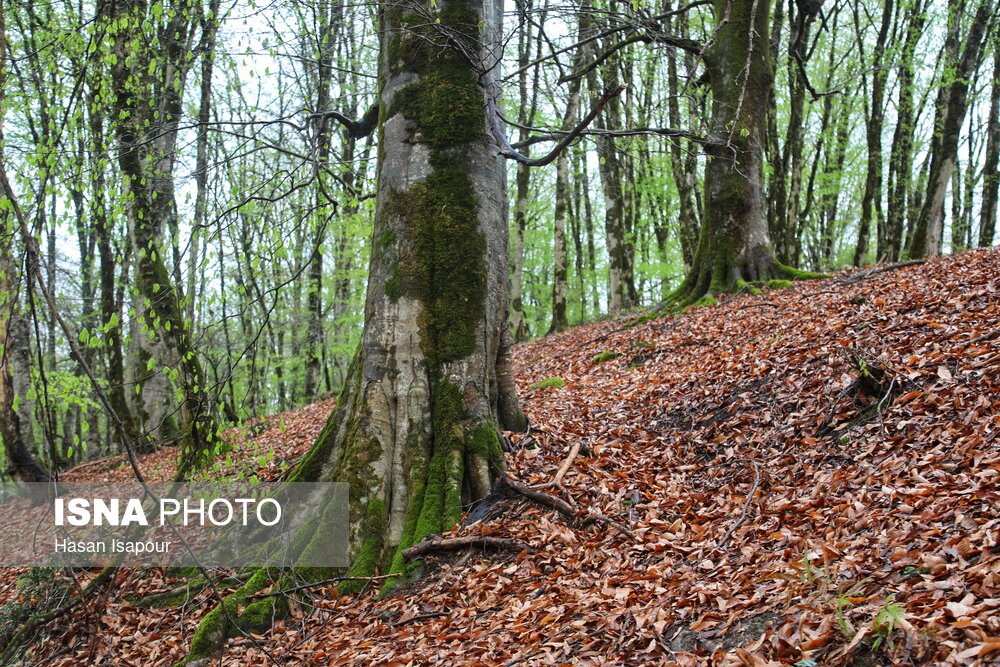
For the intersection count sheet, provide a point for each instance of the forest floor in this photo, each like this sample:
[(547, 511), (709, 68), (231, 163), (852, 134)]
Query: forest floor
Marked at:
[(810, 476)]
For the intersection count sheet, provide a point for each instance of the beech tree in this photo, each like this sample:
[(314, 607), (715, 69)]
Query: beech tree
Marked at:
[(734, 244), (139, 75), (950, 110)]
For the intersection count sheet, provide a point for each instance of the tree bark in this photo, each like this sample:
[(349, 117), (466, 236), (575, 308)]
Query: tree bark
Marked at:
[(15, 431), (522, 179), (991, 175), (415, 429), (949, 117), (147, 168), (871, 199), (734, 244), (621, 282), (682, 164), (901, 153)]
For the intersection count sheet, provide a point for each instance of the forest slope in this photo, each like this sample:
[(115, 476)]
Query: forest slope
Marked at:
[(811, 474)]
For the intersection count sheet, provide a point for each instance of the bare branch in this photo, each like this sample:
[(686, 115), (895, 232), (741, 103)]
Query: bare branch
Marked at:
[(358, 129), (509, 152)]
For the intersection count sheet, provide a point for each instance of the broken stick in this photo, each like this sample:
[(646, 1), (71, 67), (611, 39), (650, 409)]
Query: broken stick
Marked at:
[(438, 543)]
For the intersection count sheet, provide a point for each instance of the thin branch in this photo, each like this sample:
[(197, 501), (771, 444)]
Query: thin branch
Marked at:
[(358, 129), (746, 506), (509, 152)]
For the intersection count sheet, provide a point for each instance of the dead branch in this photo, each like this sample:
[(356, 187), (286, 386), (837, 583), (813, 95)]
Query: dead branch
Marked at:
[(564, 508), (421, 617), (564, 468), (316, 584), (746, 506), (864, 275), (358, 129), (508, 151), (438, 543)]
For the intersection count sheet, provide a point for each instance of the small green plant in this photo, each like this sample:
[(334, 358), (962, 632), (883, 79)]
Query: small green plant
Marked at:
[(547, 383), (778, 284), (845, 600), (606, 355), (889, 615)]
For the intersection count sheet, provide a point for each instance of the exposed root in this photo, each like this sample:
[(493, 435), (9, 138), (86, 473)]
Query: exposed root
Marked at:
[(438, 543)]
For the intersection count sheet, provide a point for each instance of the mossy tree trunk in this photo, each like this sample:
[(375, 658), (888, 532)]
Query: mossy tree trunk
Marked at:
[(415, 432), (734, 243), (147, 87)]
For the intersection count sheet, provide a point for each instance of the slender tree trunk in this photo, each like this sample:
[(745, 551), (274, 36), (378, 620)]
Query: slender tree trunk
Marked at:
[(15, 431), (683, 170), (901, 153), (621, 285), (871, 201), (209, 31), (991, 175), (949, 117), (147, 168), (522, 179)]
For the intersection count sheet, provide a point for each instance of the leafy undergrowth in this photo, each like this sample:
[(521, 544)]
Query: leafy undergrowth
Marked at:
[(812, 476)]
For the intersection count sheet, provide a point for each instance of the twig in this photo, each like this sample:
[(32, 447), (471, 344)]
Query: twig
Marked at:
[(438, 543), (331, 580), (564, 468), (985, 337), (546, 499), (422, 617), (746, 506), (564, 508), (858, 277), (508, 151)]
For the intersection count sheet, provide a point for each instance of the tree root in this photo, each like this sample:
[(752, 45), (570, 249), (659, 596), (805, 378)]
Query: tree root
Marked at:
[(438, 543), (885, 268)]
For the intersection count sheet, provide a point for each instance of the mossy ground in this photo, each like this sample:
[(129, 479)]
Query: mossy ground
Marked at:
[(548, 383), (606, 355)]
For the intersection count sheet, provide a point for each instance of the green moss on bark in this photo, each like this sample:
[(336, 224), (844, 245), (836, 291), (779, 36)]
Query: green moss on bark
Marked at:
[(218, 625)]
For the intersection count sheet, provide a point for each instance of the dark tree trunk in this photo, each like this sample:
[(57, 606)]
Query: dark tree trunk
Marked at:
[(901, 153), (871, 201), (682, 164), (734, 244), (314, 292), (991, 175), (522, 179)]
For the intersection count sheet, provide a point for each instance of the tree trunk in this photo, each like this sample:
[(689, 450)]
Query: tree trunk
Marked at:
[(621, 284), (734, 244), (147, 168), (415, 429), (901, 153), (522, 179), (871, 201), (949, 118), (682, 164), (991, 175), (18, 441)]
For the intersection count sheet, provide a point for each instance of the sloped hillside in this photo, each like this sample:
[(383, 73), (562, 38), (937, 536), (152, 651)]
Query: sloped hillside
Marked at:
[(808, 475)]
